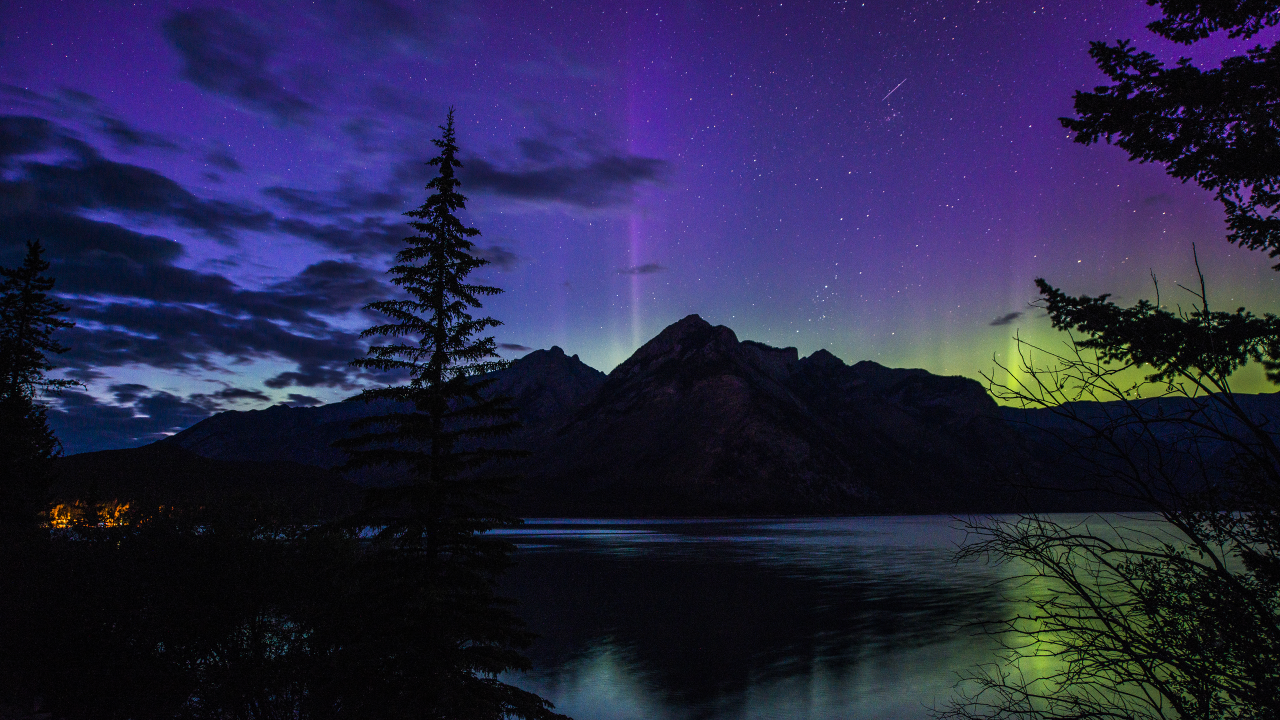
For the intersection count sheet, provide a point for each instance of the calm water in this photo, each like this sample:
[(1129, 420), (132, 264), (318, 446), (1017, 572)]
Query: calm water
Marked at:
[(827, 618)]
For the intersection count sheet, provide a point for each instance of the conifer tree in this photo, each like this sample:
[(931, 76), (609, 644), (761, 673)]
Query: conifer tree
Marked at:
[(434, 340), (28, 319), (1180, 620), (431, 612)]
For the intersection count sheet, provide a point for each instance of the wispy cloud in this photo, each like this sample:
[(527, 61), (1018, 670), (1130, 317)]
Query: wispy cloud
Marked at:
[(602, 182), (223, 53), (499, 257), (645, 269), (1005, 319)]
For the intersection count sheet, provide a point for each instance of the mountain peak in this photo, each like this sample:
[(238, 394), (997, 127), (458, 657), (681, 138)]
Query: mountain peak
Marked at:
[(677, 342)]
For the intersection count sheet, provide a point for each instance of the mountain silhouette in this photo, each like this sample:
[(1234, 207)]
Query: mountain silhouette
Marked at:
[(697, 422)]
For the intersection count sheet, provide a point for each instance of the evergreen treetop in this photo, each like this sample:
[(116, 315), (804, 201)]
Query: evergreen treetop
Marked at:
[(28, 319)]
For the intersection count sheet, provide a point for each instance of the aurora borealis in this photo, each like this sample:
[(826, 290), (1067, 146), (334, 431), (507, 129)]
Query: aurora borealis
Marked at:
[(220, 186)]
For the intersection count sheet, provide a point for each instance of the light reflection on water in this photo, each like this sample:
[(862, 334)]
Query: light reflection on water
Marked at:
[(812, 618)]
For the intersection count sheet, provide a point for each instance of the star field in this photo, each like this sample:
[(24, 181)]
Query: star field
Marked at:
[(220, 186)]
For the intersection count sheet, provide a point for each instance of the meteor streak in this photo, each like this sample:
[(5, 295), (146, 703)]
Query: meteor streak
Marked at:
[(895, 87)]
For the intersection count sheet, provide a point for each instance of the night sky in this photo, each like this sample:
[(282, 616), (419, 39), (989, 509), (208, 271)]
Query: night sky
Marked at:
[(220, 186)]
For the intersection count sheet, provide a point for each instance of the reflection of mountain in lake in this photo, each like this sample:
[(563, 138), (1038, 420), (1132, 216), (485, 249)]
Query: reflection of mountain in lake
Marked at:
[(721, 619), (698, 423)]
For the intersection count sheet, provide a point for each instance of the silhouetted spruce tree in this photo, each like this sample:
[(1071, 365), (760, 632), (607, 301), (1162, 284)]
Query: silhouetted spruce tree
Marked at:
[(432, 631), (28, 319), (1218, 127)]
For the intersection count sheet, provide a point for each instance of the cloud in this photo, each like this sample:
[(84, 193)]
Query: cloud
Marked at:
[(138, 415), (1005, 319), (369, 135), (91, 182), (645, 269), (383, 24), (369, 236), (311, 375), (602, 182), (134, 305), (298, 400), (224, 54), (235, 394), (187, 337), (127, 137), (335, 286), (91, 112), (25, 135), (514, 347), (348, 199), (222, 158), (502, 259), (94, 183), (141, 416)]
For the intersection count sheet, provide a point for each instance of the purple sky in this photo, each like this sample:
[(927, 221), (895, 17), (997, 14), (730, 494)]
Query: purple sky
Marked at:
[(220, 186)]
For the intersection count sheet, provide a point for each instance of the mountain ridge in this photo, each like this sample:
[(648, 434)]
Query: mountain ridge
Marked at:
[(698, 422)]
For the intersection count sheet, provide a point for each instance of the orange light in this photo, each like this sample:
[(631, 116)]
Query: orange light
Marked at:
[(112, 513)]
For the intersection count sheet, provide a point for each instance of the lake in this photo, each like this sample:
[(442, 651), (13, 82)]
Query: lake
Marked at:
[(688, 619)]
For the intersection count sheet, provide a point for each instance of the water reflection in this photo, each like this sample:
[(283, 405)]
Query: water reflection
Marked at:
[(832, 618)]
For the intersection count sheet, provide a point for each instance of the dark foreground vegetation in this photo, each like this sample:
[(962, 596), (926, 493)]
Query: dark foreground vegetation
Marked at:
[(217, 589), (1181, 621)]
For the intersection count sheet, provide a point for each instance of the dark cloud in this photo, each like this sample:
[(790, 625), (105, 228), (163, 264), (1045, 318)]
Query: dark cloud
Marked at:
[(127, 137), (311, 376), (24, 135), (73, 239), (91, 182), (69, 103), (186, 336), (298, 400), (349, 199), (514, 347), (375, 27), (235, 394), (604, 181), (1005, 319), (645, 269), (128, 392), (132, 306), (83, 375), (141, 416), (540, 151), (222, 158), (499, 257), (223, 53), (369, 236), (366, 133), (95, 183), (335, 286), (135, 306), (21, 94)]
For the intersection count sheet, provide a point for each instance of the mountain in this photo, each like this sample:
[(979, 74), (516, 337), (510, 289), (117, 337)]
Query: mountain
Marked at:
[(546, 386), (697, 422)]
